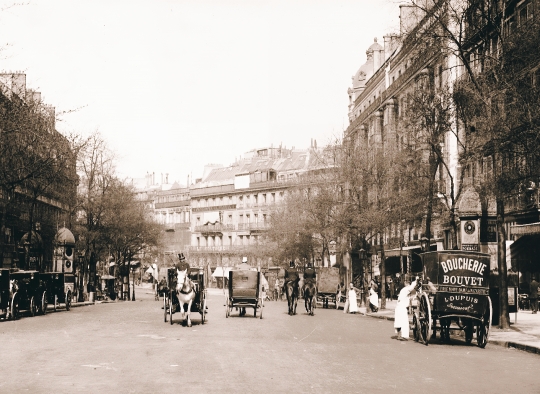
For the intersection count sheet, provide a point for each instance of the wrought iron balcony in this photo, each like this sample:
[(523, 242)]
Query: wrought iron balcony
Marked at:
[(214, 228)]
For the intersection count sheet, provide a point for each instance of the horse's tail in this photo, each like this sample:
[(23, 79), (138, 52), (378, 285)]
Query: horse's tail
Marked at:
[(310, 289)]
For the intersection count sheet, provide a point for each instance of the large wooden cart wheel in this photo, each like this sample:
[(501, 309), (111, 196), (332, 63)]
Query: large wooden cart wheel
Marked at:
[(484, 327), (14, 307), (44, 303), (68, 300), (32, 306), (424, 319), (165, 311)]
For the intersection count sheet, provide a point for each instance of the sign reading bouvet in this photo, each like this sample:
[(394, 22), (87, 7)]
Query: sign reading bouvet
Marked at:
[(463, 280), (462, 271)]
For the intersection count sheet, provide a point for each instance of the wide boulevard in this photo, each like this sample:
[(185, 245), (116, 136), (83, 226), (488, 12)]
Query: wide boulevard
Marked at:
[(126, 347)]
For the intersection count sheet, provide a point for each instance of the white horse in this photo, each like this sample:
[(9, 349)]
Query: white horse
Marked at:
[(185, 292)]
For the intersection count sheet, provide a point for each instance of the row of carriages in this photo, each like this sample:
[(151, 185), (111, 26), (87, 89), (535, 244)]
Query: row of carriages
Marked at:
[(31, 292)]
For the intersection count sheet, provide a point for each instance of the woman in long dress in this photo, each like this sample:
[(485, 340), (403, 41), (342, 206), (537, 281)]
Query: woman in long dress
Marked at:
[(401, 316), (373, 300), (353, 306)]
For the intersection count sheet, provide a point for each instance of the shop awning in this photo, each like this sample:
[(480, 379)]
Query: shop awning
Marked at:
[(221, 272), (404, 251), (525, 229)]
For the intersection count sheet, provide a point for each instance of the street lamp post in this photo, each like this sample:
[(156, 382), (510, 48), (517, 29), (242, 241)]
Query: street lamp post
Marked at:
[(363, 260), (133, 274)]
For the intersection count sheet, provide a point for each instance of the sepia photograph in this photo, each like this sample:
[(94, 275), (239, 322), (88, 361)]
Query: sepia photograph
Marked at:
[(301, 196)]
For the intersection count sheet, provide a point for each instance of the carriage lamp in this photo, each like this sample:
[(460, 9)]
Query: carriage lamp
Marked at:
[(424, 244)]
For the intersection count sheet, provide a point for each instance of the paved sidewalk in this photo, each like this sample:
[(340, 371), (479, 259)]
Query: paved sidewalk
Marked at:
[(524, 332)]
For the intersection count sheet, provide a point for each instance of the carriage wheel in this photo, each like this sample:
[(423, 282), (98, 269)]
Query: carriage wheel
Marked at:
[(165, 307), (44, 303), (14, 307), (32, 308), (424, 319), (482, 333), (68, 300)]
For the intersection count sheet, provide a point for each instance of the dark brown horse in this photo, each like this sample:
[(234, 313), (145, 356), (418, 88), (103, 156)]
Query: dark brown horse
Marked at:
[(310, 296), (291, 289)]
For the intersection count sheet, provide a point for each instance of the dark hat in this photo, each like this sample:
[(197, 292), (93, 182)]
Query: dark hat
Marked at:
[(291, 264), (181, 256)]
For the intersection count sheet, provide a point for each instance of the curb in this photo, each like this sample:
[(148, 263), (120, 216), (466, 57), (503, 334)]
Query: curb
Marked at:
[(506, 344), (516, 345)]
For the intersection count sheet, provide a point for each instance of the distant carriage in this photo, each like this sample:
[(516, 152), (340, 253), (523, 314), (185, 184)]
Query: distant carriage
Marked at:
[(244, 292), (328, 281), (59, 288), (454, 296)]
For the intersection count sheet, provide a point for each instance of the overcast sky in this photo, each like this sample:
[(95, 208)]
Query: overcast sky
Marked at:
[(174, 85)]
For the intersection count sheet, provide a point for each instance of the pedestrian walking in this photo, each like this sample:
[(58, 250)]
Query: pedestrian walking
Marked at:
[(373, 300), (351, 305), (392, 289), (401, 315), (533, 295)]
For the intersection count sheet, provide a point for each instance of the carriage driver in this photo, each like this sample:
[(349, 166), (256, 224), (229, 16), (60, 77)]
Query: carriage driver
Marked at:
[(181, 265), (291, 275)]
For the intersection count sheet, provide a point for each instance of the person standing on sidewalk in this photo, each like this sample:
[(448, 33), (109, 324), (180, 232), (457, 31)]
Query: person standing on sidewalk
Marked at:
[(350, 304), (401, 315), (373, 300), (533, 295)]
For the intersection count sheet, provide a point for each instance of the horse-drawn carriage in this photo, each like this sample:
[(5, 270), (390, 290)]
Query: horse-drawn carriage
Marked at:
[(185, 289), (328, 281), (24, 293), (457, 299), (59, 288), (244, 292)]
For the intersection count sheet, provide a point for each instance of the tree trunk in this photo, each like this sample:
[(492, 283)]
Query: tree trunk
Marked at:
[(504, 316), (382, 270)]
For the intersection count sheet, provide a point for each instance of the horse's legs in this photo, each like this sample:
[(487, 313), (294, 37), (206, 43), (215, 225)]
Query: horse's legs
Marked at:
[(188, 320)]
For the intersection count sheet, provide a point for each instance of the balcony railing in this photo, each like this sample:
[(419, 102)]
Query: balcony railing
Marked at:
[(253, 226), (214, 228), (218, 249), (528, 200)]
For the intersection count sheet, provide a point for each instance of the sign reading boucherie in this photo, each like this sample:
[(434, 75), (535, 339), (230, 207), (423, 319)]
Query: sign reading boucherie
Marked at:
[(462, 279), (462, 271)]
